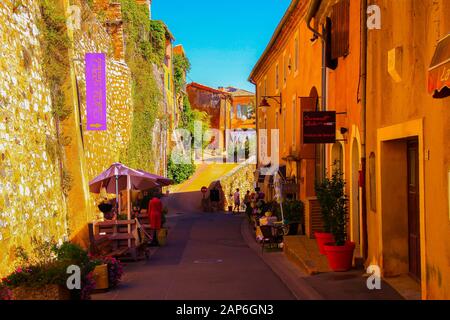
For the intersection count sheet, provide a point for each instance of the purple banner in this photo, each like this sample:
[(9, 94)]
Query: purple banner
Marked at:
[(96, 91)]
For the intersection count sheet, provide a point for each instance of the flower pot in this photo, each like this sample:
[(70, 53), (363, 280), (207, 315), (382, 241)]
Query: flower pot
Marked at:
[(322, 238), (340, 257), (100, 275), (162, 236), (48, 292)]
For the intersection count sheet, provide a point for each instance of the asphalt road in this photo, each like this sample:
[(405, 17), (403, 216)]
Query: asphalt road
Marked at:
[(205, 258)]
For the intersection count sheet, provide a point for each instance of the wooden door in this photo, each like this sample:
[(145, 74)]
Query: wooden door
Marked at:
[(413, 210)]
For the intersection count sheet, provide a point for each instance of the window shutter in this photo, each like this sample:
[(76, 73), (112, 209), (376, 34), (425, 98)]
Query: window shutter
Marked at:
[(340, 25)]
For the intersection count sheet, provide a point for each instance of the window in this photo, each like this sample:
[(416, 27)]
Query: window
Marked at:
[(372, 183), (340, 22), (285, 63), (277, 76), (294, 122), (239, 111), (296, 53)]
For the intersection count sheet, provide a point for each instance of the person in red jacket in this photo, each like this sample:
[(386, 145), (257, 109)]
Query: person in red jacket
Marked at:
[(155, 214)]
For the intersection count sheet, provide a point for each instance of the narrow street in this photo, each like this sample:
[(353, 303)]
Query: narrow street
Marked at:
[(205, 258)]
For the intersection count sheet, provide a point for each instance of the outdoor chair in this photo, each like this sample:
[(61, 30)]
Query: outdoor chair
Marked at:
[(271, 235)]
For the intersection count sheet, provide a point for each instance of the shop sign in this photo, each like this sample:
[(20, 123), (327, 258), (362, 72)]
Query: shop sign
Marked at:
[(319, 127)]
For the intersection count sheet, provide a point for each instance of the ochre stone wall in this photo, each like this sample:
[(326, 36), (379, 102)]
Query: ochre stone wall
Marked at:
[(31, 201), (102, 148), (241, 177)]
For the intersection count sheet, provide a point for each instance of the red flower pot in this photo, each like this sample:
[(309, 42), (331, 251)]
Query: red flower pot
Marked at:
[(340, 257), (322, 238)]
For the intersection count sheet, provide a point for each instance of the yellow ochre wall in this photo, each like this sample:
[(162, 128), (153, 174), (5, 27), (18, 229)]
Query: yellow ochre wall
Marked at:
[(31, 200), (398, 110)]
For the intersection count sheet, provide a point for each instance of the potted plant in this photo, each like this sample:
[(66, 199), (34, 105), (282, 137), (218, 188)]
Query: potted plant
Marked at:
[(162, 233), (294, 212), (44, 277), (107, 273), (326, 195), (340, 251)]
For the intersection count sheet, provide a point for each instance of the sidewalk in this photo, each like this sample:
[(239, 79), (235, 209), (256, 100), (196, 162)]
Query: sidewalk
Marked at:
[(305, 273)]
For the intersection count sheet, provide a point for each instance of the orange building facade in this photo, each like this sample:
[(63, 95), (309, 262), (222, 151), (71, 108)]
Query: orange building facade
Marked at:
[(372, 68)]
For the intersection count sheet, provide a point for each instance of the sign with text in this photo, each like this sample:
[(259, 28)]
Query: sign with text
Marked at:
[(95, 91), (319, 127)]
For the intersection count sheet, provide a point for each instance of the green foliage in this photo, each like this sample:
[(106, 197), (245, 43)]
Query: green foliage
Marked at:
[(140, 54), (55, 44), (55, 60), (188, 118), (147, 38), (178, 171), (158, 34), (333, 203), (181, 66), (294, 211), (48, 264)]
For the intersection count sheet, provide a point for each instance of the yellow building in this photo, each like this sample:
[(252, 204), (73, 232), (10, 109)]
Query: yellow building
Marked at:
[(408, 144)]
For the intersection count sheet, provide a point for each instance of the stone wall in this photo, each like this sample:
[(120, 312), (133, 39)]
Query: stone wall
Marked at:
[(31, 200), (32, 203), (241, 177), (103, 148)]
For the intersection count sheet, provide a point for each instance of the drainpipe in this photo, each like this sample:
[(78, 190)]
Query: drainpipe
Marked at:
[(363, 76)]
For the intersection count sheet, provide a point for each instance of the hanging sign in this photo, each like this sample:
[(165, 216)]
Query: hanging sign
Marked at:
[(319, 127), (95, 91)]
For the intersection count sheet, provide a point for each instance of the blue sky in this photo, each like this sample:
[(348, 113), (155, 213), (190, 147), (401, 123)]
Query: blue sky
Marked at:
[(222, 39)]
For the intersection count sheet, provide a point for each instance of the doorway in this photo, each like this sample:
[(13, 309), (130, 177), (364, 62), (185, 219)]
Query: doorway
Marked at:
[(413, 209)]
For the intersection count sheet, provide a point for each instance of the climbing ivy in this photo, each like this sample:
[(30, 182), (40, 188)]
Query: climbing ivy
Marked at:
[(181, 66), (140, 56), (55, 44)]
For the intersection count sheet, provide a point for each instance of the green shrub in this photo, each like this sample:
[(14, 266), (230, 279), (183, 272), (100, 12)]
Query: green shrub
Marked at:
[(333, 203), (294, 211), (180, 172)]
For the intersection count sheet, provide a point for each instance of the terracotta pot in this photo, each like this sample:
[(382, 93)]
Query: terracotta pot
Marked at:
[(322, 238), (340, 257), (48, 292)]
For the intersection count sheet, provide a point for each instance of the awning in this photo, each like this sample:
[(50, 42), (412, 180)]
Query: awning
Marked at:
[(439, 71)]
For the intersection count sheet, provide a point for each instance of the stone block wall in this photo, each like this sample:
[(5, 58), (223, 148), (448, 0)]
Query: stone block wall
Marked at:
[(31, 200), (32, 203), (102, 148), (241, 177)]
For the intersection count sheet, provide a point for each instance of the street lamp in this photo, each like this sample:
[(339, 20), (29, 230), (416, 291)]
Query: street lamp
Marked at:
[(265, 104)]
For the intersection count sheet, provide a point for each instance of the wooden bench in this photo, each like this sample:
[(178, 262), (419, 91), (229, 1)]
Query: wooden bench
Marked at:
[(114, 238)]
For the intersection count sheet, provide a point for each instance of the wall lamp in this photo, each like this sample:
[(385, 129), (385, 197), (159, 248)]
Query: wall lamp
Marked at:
[(265, 104)]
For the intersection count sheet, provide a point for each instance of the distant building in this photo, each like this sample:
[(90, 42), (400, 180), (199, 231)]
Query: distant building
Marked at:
[(242, 114), (216, 103)]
